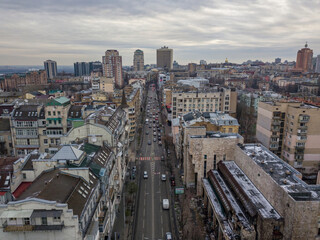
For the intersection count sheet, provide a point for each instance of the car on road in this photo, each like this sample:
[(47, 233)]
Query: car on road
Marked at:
[(145, 174), (160, 143), (154, 133), (159, 134), (147, 133), (149, 142), (168, 236), (165, 203), (159, 138), (154, 139), (162, 158), (163, 177), (169, 152)]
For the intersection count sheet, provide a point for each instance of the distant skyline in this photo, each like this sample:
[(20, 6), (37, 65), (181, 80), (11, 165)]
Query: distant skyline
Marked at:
[(73, 31)]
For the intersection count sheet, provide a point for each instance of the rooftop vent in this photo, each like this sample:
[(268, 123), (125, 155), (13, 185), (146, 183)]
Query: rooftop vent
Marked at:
[(288, 172), (271, 170)]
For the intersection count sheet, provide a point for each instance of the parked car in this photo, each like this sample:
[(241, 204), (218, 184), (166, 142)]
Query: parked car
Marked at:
[(160, 143), (149, 142)]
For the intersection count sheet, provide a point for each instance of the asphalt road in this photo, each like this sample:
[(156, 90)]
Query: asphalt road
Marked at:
[(152, 222)]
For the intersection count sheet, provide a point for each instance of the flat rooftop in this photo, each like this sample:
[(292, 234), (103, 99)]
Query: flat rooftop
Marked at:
[(217, 135), (282, 173), (260, 202)]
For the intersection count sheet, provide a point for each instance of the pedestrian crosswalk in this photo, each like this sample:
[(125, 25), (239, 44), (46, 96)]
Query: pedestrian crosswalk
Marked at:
[(149, 158)]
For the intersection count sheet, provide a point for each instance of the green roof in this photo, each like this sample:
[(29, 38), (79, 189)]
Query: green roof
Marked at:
[(59, 101), (90, 148)]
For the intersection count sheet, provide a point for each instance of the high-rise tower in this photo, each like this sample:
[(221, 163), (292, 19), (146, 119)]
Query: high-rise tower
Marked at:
[(113, 67), (138, 60), (304, 59), (165, 58), (51, 68)]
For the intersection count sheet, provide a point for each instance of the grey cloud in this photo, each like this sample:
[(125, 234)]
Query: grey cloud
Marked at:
[(195, 29)]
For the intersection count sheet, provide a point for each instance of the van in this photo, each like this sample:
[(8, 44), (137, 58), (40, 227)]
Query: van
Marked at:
[(165, 203)]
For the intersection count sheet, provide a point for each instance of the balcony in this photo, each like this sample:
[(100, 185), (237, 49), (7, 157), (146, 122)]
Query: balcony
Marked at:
[(274, 146), (298, 156), (301, 132), (26, 228), (303, 128), (276, 123), (276, 116), (304, 118), (300, 148)]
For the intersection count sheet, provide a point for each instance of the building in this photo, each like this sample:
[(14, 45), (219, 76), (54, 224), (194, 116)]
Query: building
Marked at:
[(309, 88), (113, 67), (106, 84), (195, 82), (138, 60), (56, 120), (5, 137), (277, 61), (222, 100), (86, 68), (26, 123), (17, 81), (290, 130), (304, 59), (51, 69), (202, 151), (317, 69), (165, 58), (163, 78)]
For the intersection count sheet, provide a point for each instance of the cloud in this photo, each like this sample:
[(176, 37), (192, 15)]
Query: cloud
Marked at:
[(70, 31)]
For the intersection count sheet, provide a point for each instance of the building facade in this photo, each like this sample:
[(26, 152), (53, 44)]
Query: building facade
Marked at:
[(223, 100), (138, 60), (304, 59), (290, 130), (165, 58), (51, 69), (113, 67)]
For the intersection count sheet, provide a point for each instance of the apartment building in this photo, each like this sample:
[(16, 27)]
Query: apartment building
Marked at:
[(259, 196), (290, 130), (56, 120), (222, 100), (27, 121), (203, 151), (132, 97)]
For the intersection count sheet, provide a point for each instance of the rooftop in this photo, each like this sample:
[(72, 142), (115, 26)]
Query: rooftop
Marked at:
[(54, 185), (257, 202), (216, 118), (282, 173)]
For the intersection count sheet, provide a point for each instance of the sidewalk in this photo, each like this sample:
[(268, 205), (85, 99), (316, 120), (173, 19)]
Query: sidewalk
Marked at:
[(122, 230)]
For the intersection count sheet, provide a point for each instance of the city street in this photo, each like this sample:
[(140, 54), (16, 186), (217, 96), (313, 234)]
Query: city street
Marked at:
[(152, 221)]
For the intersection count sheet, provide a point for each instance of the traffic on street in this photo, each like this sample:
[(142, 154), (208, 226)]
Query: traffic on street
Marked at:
[(153, 217)]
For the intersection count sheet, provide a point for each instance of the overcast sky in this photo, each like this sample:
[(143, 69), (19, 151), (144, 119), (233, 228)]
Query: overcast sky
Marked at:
[(68, 31)]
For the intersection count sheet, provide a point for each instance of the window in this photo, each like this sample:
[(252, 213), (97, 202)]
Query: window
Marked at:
[(59, 113), (24, 176), (26, 221), (44, 221), (45, 141), (56, 219), (205, 156), (54, 113), (205, 169), (49, 113), (224, 157)]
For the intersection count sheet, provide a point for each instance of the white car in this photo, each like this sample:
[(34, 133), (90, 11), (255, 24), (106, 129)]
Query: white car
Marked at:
[(145, 175), (163, 177)]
